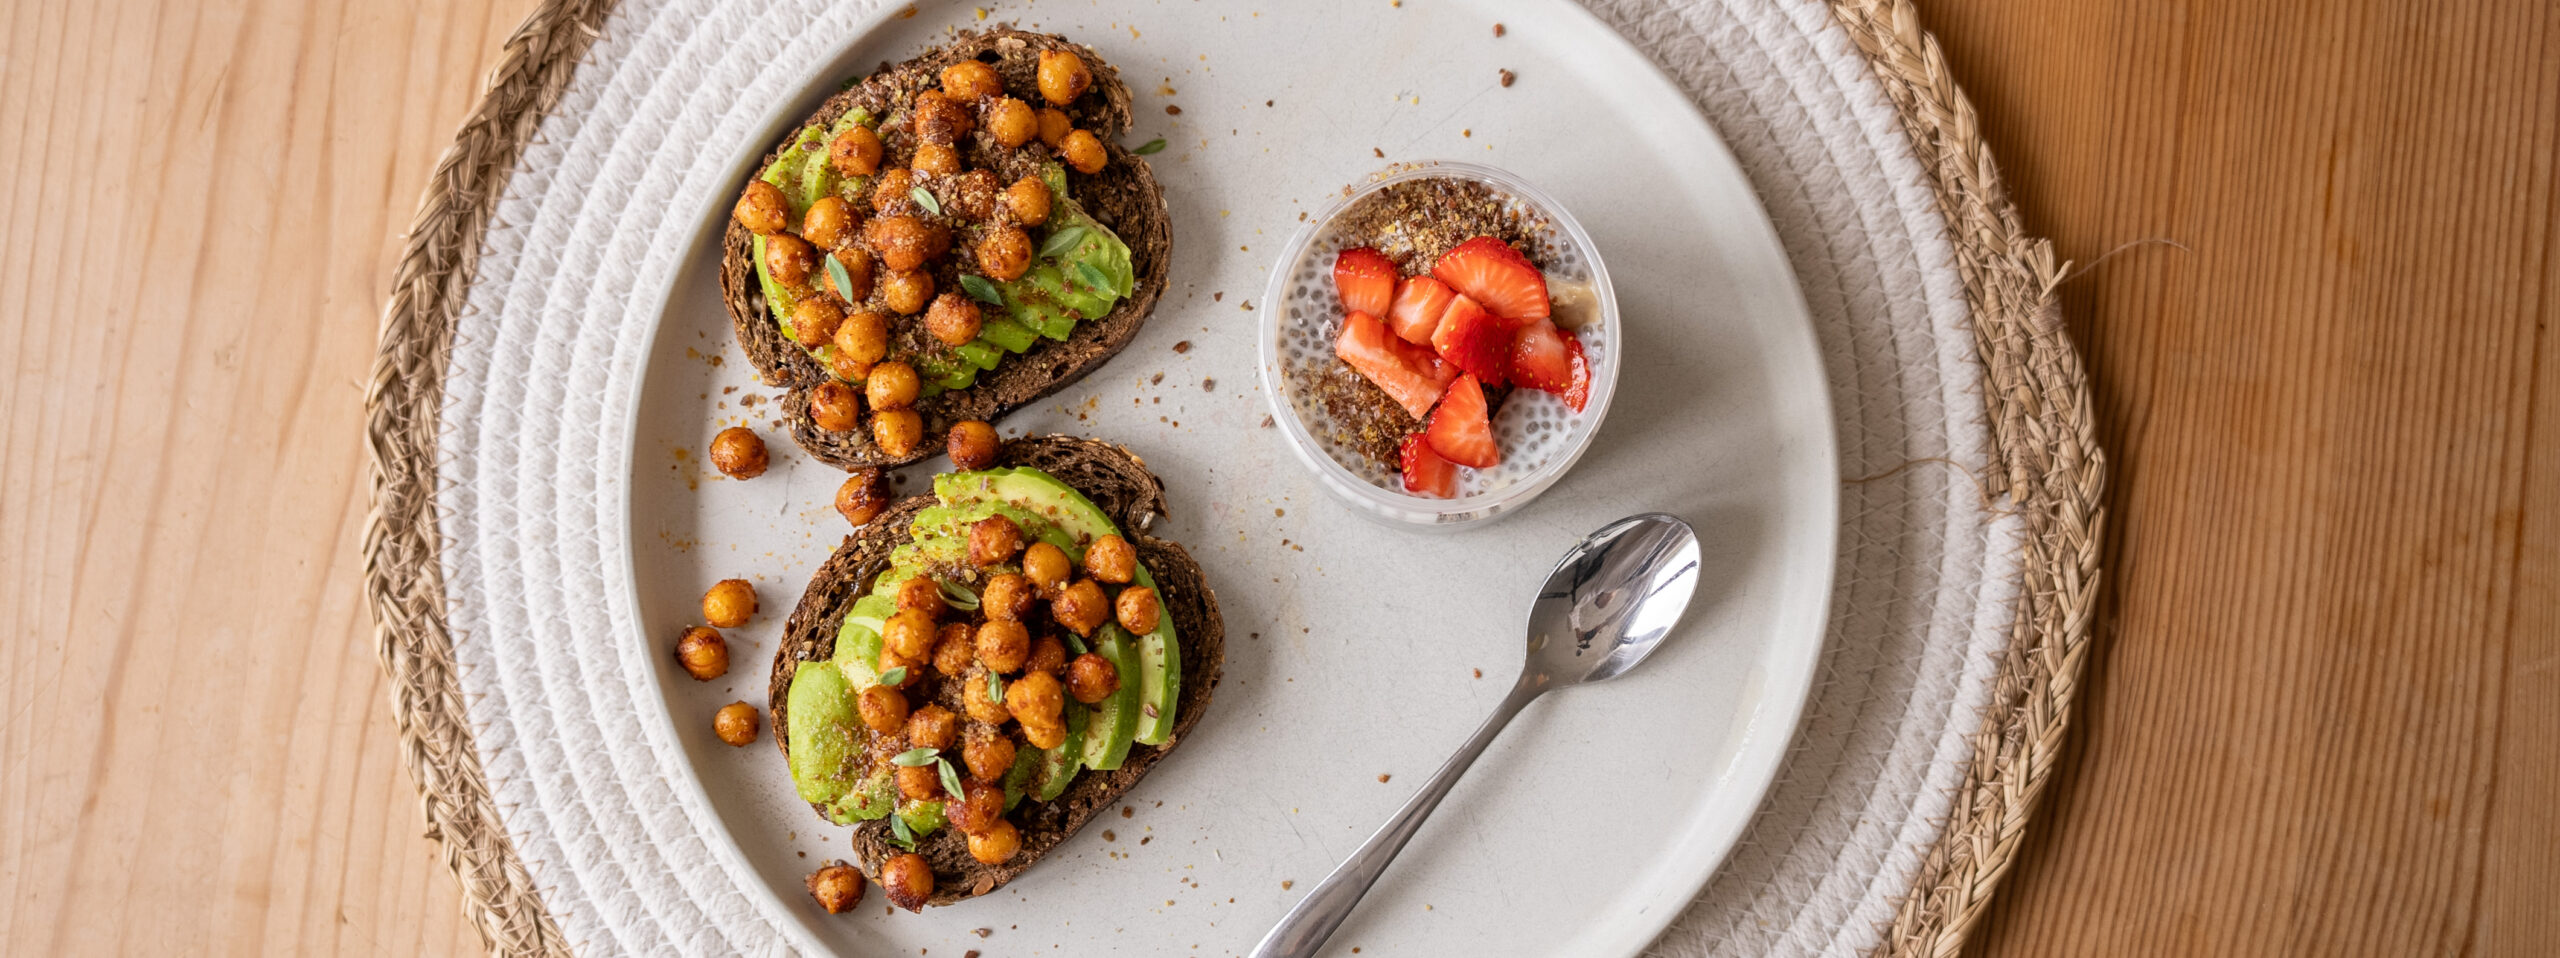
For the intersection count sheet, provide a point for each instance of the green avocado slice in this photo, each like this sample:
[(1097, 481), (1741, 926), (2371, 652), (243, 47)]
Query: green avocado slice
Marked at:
[(1115, 719), (826, 734)]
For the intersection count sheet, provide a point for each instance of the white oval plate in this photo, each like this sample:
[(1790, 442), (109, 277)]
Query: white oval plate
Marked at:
[(1353, 649)]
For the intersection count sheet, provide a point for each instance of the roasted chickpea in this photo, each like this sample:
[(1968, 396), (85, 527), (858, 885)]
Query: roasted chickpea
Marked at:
[(919, 783), (735, 723), (953, 319), (972, 445), (891, 194), (863, 337), (1083, 151), (1004, 253), (1054, 126), (703, 653), (855, 152), (1045, 735), (955, 649), (906, 292), (1003, 646), (891, 386), (938, 120), (857, 273), (884, 709), (906, 242), (981, 805), (1081, 607), (891, 661), (1012, 122), (897, 432), (922, 594), (789, 258), (1046, 566), (910, 633), (862, 496), (970, 79), (907, 880), (728, 603), (996, 844), (837, 887), (1138, 609), (986, 750), (992, 540), (932, 727), (815, 320), (1028, 200), (1007, 596), (834, 407), (1063, 77), (935, 159), (762, 209), (1092, 678), (1035, 698), (974, 700), (847, 368), (1111, 560), (1047, 655), (739, 453), (829, 223)]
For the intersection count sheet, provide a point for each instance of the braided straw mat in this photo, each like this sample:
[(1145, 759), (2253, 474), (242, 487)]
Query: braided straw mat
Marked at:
[(1970, 495)]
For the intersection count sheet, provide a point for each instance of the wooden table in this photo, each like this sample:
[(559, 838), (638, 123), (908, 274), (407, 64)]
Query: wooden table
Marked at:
[(2323, 715)]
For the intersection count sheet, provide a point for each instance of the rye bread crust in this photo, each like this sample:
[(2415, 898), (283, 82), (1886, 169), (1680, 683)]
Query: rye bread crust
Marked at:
[(1118, 482), (1124, 197)]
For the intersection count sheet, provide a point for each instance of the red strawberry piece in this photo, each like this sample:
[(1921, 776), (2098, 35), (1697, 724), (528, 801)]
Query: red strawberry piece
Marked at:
[(1473, 340), (1409, 374), (1538, 358), (1419, 304), (1366, 279), (1577, 387), (1460, 430), (1425, 473), (1490, 272)]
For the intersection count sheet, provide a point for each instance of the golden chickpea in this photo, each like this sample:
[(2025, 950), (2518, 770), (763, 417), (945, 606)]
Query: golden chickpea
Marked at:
[(1012, 122), (789, 259), (1035, 698), (981, 805), (846, 367), (834, 407), (762, 209), (864, 494), (1047, 655), (932, 727), (974, 701), (864, 338), (891, 386), (919, 783), (1054, 126), (1081, 607), (996, 844), (938, 120), (969, 79), (935, 159), (1004, 253), (1063, 77), (1028, 200), (728, 603), (922, 594), (972, 445), (1092, 678), (1083, 151), (987, 752), (855, 152), (906, 292), (1138, 609), (829, 222), (1045, 735), (907, 880), (891, 661), (906, 242), (992, 540), (735, 723), (897, 432), (814, 320), (1004, 646), (739, 453), (1046, 566), (953, 319), (1006, 597), (857, 273), (884, 709), (910, 634), (703, 653), (891, 194), (837, 887), (1111, 560)]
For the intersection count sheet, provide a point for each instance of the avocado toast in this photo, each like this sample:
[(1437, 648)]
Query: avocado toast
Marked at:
[(918, 789), (896, 215)]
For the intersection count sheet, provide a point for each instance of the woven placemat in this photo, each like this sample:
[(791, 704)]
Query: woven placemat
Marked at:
[(2047, 466)]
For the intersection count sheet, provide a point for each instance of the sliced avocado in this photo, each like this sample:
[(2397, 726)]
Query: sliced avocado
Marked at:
[(857, 655), (826, 732), (1115, 719), (923, 818), (1011, 336), (1017, 780), (980, 353), (1058, 766), (868, 801)]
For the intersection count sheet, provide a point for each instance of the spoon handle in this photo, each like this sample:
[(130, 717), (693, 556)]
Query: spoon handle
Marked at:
[(1306, 927)]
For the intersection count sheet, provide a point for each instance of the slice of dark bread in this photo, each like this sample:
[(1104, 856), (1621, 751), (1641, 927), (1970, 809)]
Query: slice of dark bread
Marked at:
[(1124, 197), (1118, 482)]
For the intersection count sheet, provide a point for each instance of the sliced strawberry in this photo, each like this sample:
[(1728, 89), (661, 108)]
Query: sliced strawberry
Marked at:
[(1538, 358), (1410, 374), (1473, 340), (1420, 301), (1460, 431), (1577, 387), (1425, 473), (1366, 279), (1490, 272)]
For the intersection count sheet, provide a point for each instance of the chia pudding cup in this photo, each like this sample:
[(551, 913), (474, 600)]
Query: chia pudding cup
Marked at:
[(1344, 429)]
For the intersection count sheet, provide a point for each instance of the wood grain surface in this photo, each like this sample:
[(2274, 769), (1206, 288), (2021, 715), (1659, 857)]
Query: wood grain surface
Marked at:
[(2325, 709)]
